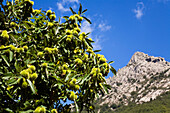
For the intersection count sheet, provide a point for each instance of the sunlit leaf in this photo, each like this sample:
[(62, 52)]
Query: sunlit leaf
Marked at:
[(10, 56), (32, 86), (5, 59)]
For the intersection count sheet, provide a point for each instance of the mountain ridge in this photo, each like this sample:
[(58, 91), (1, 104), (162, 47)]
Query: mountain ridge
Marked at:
[(143, 79)]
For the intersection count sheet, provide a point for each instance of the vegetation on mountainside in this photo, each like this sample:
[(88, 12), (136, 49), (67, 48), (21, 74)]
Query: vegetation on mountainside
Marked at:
[(160, 105)]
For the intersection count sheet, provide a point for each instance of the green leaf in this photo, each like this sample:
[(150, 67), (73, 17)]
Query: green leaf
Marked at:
[(12, 81), (26, 26), (33, 61), (5, 59), (77, 109), (28, 111), (11, 56), (111, 62), (85, 78), (97, 50), (89, 41), (106, 87), (6, 76), (94, 60), (88, 44), (84, 11), (32, 86), (67, 77), (59, 20), (17, 67), (80, 8), (57, 78), (8, 110), (62, 38), (65, 16), (113, 70), (88, 33), (9, 74), (87, 19), (72, 11), (27, 61), (4, 48)]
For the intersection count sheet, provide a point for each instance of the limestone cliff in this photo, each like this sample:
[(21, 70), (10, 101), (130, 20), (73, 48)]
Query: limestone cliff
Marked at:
[(141, 80)]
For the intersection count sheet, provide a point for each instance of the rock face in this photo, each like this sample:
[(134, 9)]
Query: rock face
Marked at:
[(141, 80)]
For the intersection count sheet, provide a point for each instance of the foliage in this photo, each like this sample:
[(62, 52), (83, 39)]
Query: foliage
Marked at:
[(44, 63), (160, 105)]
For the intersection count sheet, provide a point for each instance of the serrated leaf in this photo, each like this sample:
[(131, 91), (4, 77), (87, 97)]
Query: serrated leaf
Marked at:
[(11, 56), (12, 81), (87, 19), (5, 59), (32, 86)]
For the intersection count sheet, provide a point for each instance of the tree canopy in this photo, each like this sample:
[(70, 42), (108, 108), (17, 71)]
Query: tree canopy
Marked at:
[(45, 62)]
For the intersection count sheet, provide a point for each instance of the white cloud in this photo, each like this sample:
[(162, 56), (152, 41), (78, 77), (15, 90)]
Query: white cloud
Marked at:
[(86, 27), (74, 6), (61, 7), (139, 11), (104, 27), (97, 44), (71, 1), (50, 8)]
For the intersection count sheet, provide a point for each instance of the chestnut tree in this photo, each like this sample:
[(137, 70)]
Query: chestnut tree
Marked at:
[(45, 62)]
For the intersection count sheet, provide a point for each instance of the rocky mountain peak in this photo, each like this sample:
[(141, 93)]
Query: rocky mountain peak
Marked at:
[(141, 80), (139, 57)]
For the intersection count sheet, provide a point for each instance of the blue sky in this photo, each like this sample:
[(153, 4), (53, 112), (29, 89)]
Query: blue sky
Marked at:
[(121, 27)]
